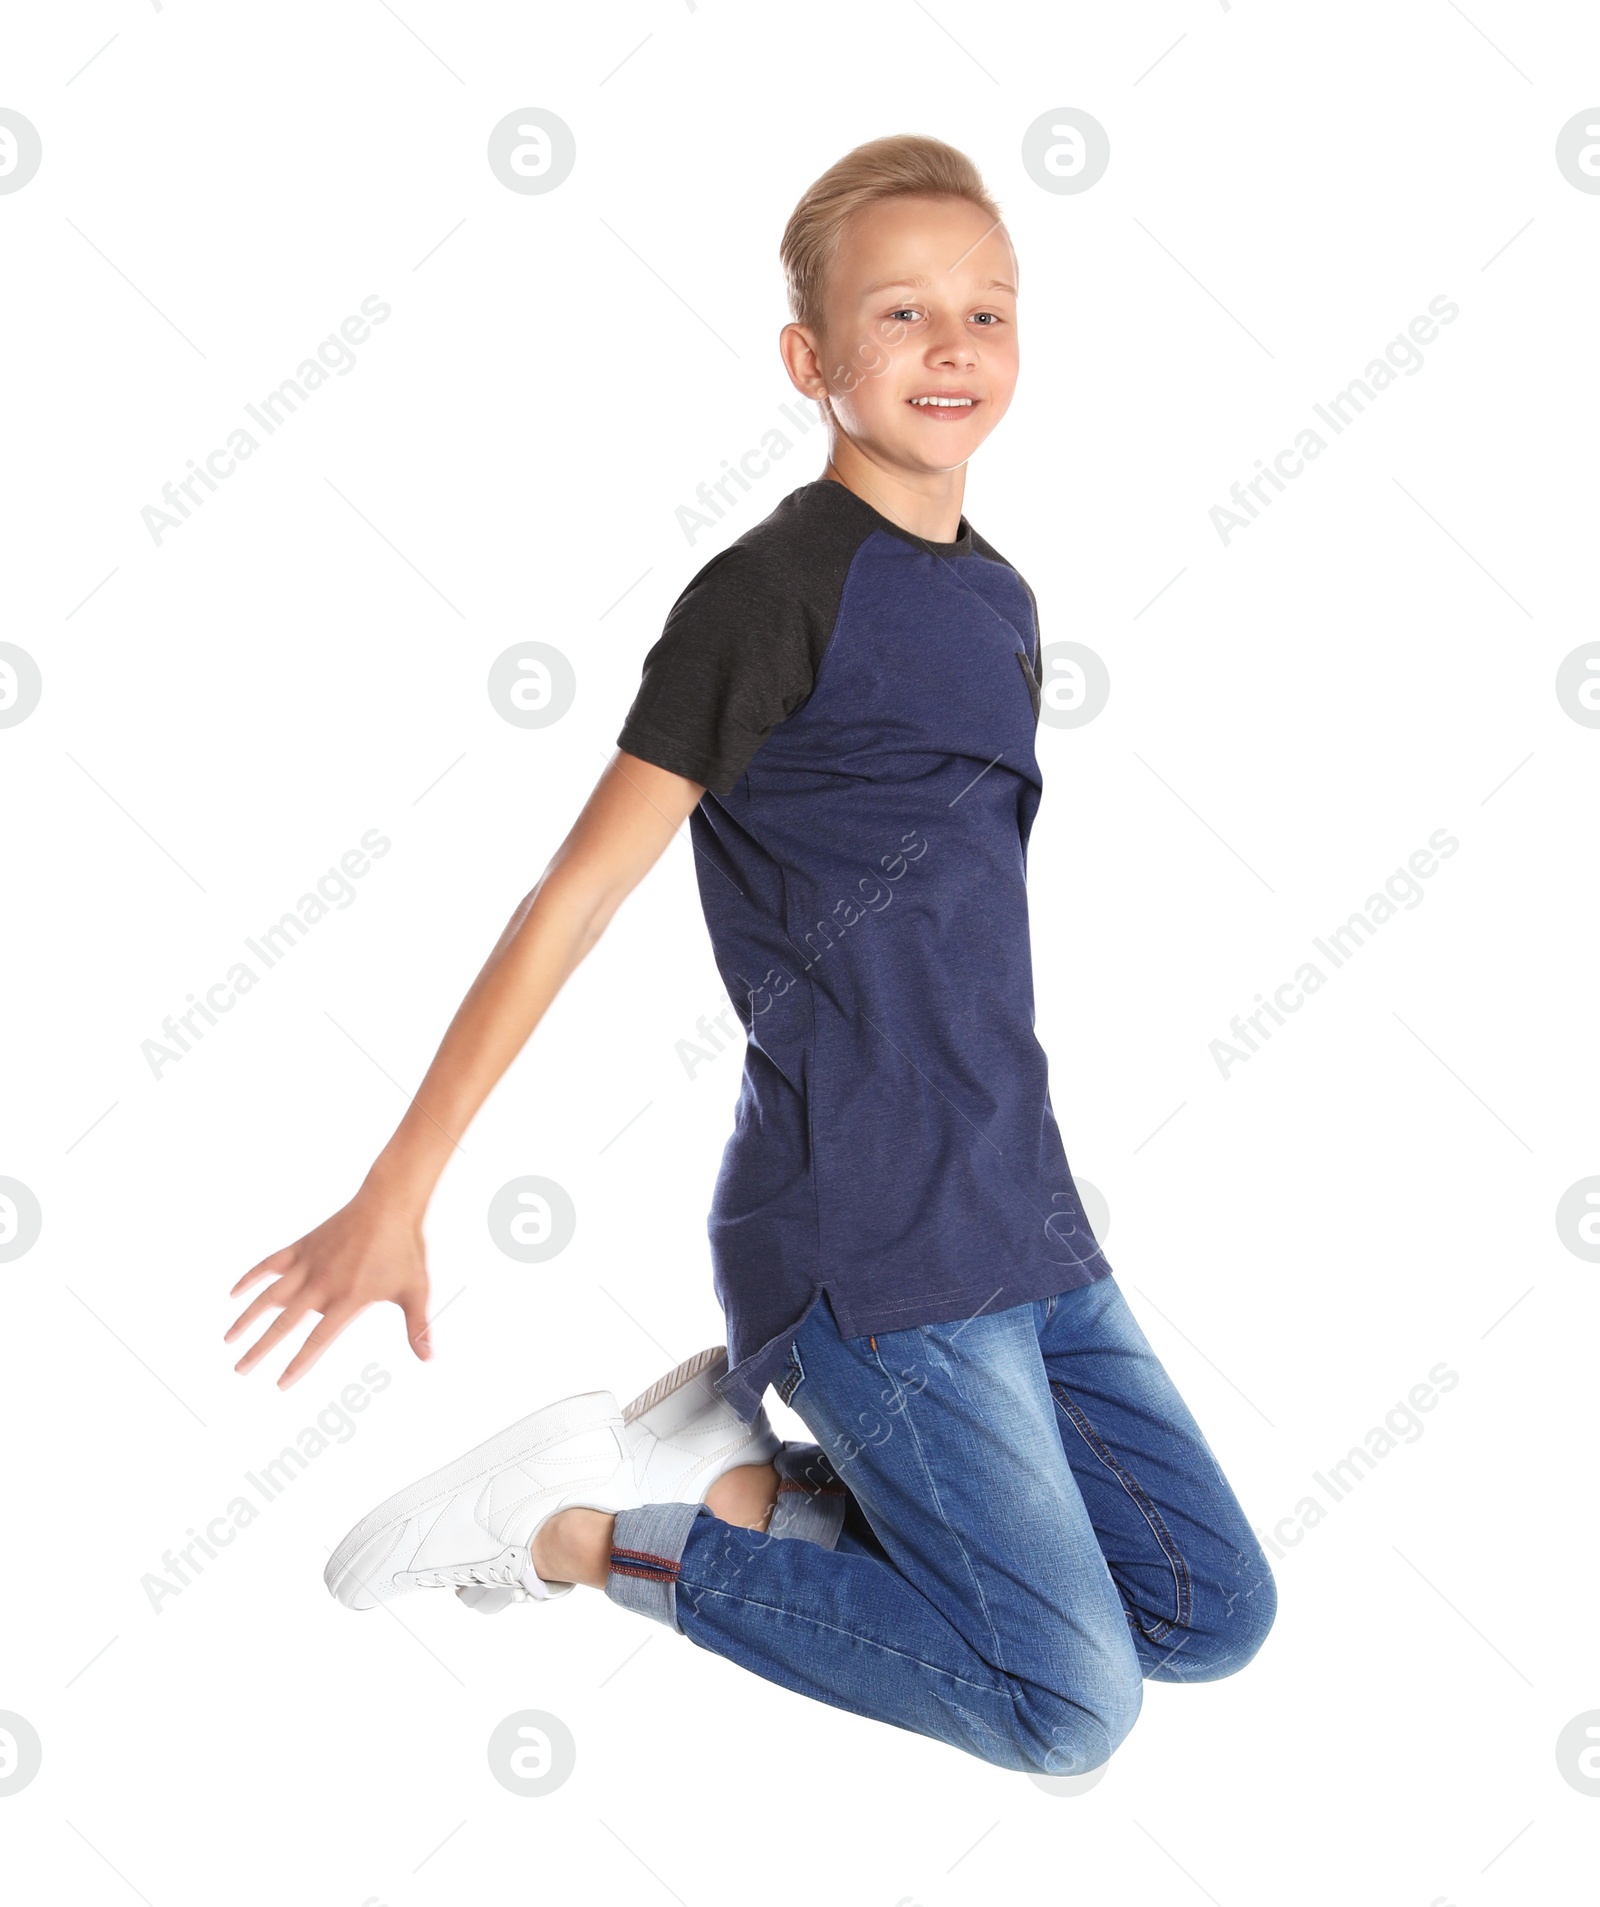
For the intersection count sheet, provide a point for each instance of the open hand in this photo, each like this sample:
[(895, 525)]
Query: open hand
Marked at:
[(366, 1252)]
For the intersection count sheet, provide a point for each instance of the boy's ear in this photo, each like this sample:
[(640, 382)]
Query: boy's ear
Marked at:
[(800, 349)]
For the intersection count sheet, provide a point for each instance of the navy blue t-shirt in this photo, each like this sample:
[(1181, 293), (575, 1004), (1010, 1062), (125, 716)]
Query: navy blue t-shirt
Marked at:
[(860, 705)]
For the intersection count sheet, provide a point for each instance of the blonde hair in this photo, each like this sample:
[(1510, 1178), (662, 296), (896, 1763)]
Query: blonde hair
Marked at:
[(901, 166)]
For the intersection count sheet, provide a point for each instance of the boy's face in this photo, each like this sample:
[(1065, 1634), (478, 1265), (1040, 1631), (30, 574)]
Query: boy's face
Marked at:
[(920, 302)]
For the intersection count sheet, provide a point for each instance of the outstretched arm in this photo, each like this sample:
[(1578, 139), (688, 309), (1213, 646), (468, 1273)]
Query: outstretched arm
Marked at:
[(372, 1248)]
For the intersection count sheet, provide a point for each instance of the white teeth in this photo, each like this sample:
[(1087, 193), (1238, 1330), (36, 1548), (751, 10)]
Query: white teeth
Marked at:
[(944, 403)]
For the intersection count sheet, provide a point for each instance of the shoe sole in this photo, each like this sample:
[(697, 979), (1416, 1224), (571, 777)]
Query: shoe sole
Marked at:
[(587, 1411), (675, 1380)]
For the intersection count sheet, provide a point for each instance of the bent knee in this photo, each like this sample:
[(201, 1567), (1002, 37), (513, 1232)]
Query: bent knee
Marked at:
[(1241, 1621), (1251, 1615), (1077, 1732)]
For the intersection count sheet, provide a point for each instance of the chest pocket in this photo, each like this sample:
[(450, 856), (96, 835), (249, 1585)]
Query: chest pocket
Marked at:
[(1034, 691)]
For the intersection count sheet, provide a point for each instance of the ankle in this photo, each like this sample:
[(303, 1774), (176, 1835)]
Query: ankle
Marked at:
[(574, 1546)]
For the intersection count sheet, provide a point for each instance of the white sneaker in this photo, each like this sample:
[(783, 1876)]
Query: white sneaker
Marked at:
[(471, 1525), (684, 1435)]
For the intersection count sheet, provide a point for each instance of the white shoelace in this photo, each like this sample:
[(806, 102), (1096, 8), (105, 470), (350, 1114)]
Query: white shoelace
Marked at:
[(473, 1574), (520, 1580), (527, 1588)]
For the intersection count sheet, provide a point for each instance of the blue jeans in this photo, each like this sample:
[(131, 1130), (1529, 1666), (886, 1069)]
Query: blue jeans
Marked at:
[(1013, 1520)]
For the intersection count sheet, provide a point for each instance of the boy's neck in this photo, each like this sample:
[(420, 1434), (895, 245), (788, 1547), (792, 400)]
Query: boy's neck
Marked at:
[(929, 507)]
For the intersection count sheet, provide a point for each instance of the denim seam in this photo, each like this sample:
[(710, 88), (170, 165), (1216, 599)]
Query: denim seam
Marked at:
[(933, 1487), (1006, 1687), (1175, 1562), (793, 1374)]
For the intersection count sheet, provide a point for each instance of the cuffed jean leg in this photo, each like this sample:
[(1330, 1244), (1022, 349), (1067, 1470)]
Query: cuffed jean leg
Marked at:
[(647, 1543), (811, 1499), (646, 1556)]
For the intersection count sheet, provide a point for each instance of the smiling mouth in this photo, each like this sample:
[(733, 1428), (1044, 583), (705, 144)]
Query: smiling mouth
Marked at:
[(934, 403)]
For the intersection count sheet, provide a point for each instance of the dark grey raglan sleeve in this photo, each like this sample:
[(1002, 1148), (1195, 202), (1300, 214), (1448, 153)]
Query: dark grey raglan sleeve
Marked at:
[(738, 653)]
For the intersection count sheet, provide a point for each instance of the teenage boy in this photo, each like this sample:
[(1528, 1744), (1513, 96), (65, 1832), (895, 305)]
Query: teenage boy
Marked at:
[(1009, 1517)]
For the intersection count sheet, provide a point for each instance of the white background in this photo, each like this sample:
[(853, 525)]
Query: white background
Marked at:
[(226, 713)]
